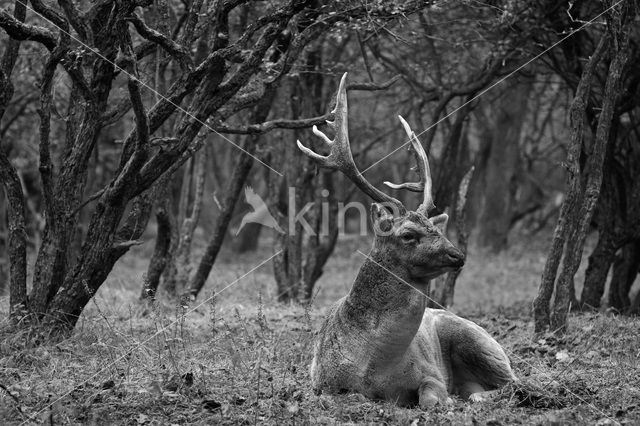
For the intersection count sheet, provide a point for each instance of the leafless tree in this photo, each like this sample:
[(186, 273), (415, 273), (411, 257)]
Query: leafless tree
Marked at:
[(109, 45), (583, 180)]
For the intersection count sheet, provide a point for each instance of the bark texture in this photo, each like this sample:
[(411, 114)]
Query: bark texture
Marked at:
[(541, 304), (580, 224), (16, 239)]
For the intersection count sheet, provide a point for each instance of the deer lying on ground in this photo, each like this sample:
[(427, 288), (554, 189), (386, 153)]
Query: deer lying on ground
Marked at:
[(381, 340)]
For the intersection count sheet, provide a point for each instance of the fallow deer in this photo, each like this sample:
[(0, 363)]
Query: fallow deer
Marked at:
[(381, 340)]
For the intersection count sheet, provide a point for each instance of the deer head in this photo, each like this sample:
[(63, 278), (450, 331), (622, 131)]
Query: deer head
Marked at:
[(411, 241)]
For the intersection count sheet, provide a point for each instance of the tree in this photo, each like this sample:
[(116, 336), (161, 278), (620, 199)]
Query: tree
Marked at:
[(107, 47), (584, 177)]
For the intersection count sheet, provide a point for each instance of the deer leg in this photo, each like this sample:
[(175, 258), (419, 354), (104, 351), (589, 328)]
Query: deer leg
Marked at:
[(431, 392), (483, 396), (475, 392)]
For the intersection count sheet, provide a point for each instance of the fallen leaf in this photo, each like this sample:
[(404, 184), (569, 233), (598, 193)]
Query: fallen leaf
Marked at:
[(211, 405)]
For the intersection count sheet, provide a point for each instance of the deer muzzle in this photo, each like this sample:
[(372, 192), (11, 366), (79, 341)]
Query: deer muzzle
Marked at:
[(454, 257)]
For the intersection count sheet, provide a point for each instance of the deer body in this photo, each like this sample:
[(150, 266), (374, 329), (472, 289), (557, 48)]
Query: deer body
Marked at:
[(381, 340)]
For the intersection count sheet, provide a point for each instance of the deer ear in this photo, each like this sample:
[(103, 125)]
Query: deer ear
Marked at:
[(381, 218), (440, 222)]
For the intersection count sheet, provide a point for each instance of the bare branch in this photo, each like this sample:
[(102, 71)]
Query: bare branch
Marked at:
[(11, 52), (190, 24), (44, 111), (119, 245), (51, 14), (142, 126), (77, 20), (19, 31), (268, 126), (179, 52), (78, 79), (132, 157), (373, 86), (163, 141), (229, 5), (113, 115), (87, 201)]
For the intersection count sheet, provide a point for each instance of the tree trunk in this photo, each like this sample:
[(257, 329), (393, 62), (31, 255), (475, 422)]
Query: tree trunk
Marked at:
[(17, 234), (443, 295), (593, 171), (625, 271), (321, 244), (161, 253), (297, 268), (598, 269), (63, 195), (569, 205), (234, 187), (190, 206), (4, 253), (17, 238), (239, 176), (502, 166), (104, 245)]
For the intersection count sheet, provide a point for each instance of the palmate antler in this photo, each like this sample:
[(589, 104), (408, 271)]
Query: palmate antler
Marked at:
[(340, 158)]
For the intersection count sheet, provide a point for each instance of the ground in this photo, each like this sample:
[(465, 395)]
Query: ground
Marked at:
[(241, 358)]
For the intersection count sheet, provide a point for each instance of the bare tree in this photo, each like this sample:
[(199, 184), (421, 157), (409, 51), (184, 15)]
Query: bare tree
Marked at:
[(99, 49), (583, 182)]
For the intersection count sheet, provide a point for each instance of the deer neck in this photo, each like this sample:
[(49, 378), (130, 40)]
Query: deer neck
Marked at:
[(385, 305)]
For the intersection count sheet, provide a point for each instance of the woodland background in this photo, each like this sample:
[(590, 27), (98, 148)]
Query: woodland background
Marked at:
[(130, 129)]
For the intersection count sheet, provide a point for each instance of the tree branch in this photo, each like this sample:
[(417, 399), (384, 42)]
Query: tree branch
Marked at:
[(19, 31), (113, 115), (268, 126), (133, 158), (142, 126), (177, 51), (77, 21), (44, 111), (51, 14)]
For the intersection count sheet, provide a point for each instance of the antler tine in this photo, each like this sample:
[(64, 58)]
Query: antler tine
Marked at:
[(424, 171), (340, 156)]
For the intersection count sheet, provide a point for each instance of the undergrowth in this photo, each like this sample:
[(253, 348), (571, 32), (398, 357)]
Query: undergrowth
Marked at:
[(237, 357)]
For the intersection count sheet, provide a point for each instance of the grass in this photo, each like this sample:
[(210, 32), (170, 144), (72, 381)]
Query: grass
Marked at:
[(241, 358)]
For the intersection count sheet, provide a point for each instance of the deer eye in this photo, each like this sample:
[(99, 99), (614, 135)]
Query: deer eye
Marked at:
[(409, 237)]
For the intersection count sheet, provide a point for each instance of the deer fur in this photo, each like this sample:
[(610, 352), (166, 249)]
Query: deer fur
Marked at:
[(383, 342)]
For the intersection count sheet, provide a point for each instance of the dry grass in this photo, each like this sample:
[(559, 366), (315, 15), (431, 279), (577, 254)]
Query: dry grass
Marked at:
[(240, 358)]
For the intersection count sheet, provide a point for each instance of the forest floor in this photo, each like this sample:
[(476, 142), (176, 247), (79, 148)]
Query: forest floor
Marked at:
[(242, 358)]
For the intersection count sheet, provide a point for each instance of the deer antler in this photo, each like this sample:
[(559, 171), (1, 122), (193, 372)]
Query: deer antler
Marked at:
[(425, 184), (340, 157)]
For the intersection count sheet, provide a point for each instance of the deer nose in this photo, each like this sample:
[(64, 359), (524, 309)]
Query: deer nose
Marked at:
[(455, 257)]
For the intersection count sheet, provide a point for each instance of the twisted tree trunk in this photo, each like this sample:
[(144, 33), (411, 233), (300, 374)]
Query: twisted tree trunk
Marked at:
[(17, 236), (567, 211), (589, 199)]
